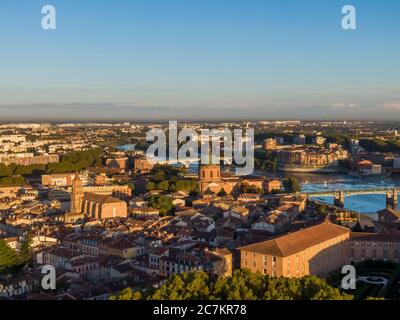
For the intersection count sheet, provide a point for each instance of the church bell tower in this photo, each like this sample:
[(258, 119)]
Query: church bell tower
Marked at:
[(76, 195)]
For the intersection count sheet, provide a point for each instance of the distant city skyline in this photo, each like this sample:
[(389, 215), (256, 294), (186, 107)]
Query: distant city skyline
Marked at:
[(199, 60)]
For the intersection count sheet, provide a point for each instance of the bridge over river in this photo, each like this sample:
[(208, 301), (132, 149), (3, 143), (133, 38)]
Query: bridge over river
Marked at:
[(349, 192)]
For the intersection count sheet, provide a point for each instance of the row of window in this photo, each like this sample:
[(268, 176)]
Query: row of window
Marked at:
[(386, 254), (374, 244)]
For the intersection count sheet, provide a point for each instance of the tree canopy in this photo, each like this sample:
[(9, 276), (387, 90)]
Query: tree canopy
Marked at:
[(291, 185), (9, 259), (377, 145), (75, 161), (243, 285), (162, 203)]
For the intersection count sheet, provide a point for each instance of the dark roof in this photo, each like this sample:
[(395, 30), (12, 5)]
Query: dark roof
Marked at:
[(377, 237)]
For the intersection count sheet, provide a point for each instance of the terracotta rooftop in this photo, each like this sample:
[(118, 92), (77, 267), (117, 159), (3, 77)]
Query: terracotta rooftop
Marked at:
[(297, 241), (101, 199)]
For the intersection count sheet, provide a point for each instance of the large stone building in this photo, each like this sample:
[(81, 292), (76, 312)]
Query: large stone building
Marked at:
[(310, 159), (371, 246), (118, 163), (141, 164), (65, 179), (103, 207), (123, 192), (317, 250), (91, 205), (270, 144), (58, 180), (212, 180), (29, 160)]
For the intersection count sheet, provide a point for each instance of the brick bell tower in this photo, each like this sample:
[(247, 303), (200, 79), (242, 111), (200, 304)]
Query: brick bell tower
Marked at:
[(209, 173), (76, 195)]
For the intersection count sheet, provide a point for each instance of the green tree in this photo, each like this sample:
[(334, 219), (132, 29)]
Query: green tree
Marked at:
[(150, 186), (8, 258), (162, 203), (25, 255), (127, 294), (163, 185), (247, 188), (322, 210), (76, 161), (5, 171), (187, 286), (291, 185), (266, 161), (222, 193), (12, 181), (242, 285)]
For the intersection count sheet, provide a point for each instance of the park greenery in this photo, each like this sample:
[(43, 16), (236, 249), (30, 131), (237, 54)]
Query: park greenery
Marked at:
[(12, 181), (266, 161), (242, 285), (14, 174), (169, 178), (378, 145)]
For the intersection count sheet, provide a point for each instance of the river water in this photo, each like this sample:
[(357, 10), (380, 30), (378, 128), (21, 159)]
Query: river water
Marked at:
[(365, 203)]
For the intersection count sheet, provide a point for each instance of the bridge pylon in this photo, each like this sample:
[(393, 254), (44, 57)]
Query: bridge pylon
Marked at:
[(392, 200), (339, 199)]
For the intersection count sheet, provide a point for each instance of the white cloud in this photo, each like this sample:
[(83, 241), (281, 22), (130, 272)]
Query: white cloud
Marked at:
[(344, 105), (395, 105)]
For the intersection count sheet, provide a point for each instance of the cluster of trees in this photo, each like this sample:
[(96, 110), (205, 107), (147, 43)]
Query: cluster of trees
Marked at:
[(247, 188), (162, 203), (291, 185), (377, 145), (162, 172), (77, 161), (266, 161), (340, 139), (11, 260), (12, 181), (14, 169), (243, 285), (71, 162), (173, 185), (167, 178)]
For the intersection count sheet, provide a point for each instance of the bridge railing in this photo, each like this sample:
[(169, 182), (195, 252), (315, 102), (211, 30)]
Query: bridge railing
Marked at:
[(350, 192)]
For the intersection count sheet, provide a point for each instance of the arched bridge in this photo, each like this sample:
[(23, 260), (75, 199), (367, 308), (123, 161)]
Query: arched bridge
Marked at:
[(349, 193)]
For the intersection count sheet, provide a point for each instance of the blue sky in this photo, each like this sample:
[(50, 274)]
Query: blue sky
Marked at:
[(241, 59)]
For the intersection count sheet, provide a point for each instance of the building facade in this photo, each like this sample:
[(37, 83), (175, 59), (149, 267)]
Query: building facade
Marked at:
[(317, 250)]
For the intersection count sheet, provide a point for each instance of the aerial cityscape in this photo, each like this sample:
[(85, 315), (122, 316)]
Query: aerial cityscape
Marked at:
[(140, 163), (84, 198)]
